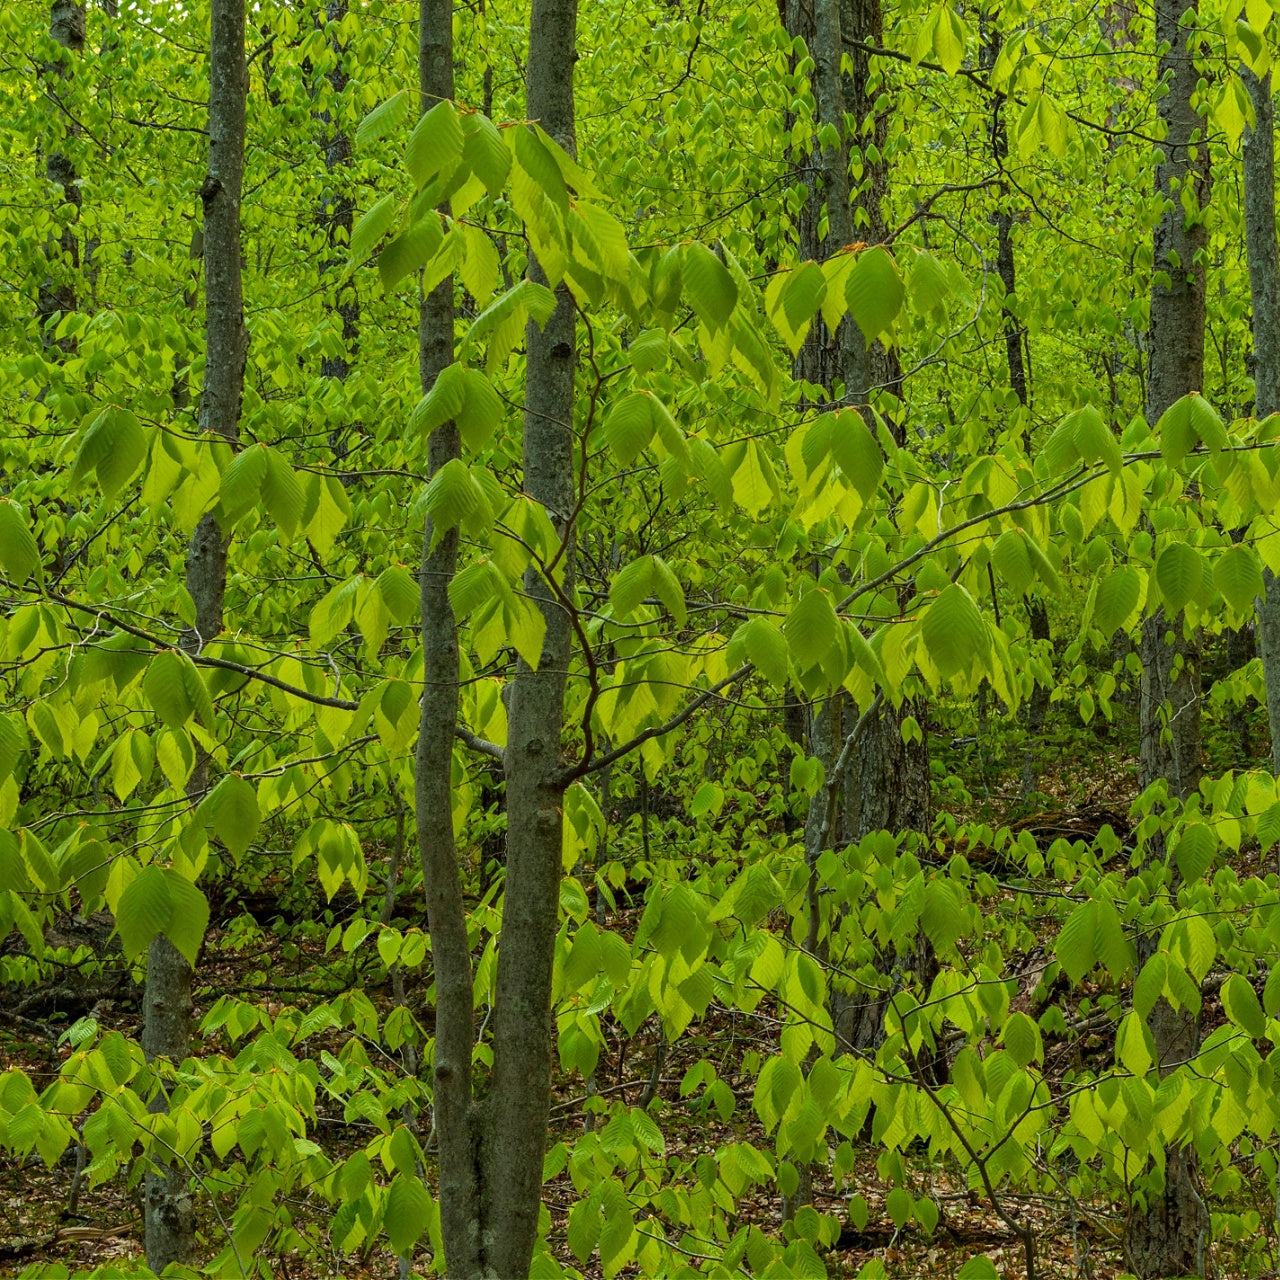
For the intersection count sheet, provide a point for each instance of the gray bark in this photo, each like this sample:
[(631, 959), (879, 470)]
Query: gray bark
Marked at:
[(1164, 1237), (491, 1154), (520, 1096), (170, 1219), (57, 294), (456, 1131), (1264, 293), (336, 215), (1170, 699)]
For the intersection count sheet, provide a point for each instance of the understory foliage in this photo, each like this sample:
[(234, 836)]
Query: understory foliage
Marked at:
[(746, 541)]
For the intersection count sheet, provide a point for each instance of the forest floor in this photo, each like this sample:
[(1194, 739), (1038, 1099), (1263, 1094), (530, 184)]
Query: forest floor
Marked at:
[(1079, 1241)]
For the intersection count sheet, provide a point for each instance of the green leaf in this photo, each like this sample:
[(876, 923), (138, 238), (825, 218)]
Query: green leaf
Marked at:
[(953, 632), (232, 807), (1094, 440), (1237, 573), (1133, 1047), (856, 452), (400, 590), (435, 146), (485, 152), (1076, 946), (334, 611), (794, 301), (113, 448), (948, 39), (766, 648), (241, 484), (585, 1224), (143, 910), (371, 227), (874, 292), (1195, 850), (159, 901), (811, 628), (929, 285), (175, 691), (1186, 423), (1021, 1038), (597, 232), (668, 589), (940, 915), (405, 1215), (19, 555), (188, 915), (1179, 572), (282, 493), (1117, 598), (708, 287), (1240, 1004), (452, 497), (628, 427), (13, 742), (410, 251), (384, 119), (1012, 561), (465, 397), (630, 586), (1111, 943)]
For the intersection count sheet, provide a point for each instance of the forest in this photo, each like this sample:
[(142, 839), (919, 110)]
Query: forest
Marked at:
[(639, 639)]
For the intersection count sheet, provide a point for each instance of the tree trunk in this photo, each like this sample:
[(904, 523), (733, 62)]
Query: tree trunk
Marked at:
[(1264, 294), (170, 1220), (57, 294), (460, 1220), (1016, 357), (1164, 1237), (491, 1154), (336, 215), (520, 1098)]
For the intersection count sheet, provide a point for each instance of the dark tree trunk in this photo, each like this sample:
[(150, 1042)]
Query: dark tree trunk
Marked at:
[(520, 1098), (170, 1220), (1016, 357), (336, 215), (456, 1129), (1164, 1237), (491, 1153), (57, 294), (1264, 294)]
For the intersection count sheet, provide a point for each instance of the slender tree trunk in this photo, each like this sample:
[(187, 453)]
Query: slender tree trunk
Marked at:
[(336, 215), (170, 1219), (57, 294), (491, 1154), (1264, 292), (1016, 359), (1164, 1237), (456, 1129), (520, 1097)]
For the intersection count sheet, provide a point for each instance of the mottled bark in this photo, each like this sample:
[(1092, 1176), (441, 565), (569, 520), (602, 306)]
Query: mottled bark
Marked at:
[(1163, 1237), (1170, 700), (519, 1100), (886, 789), (460, 1218), (57, 294), (828, 360), (336, 215), (170, 1220), (1264, 296)]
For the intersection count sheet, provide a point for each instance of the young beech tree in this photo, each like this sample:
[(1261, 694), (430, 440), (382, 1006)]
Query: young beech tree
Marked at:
[(167, 1003), (1264, 296), (1165, 1235)]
